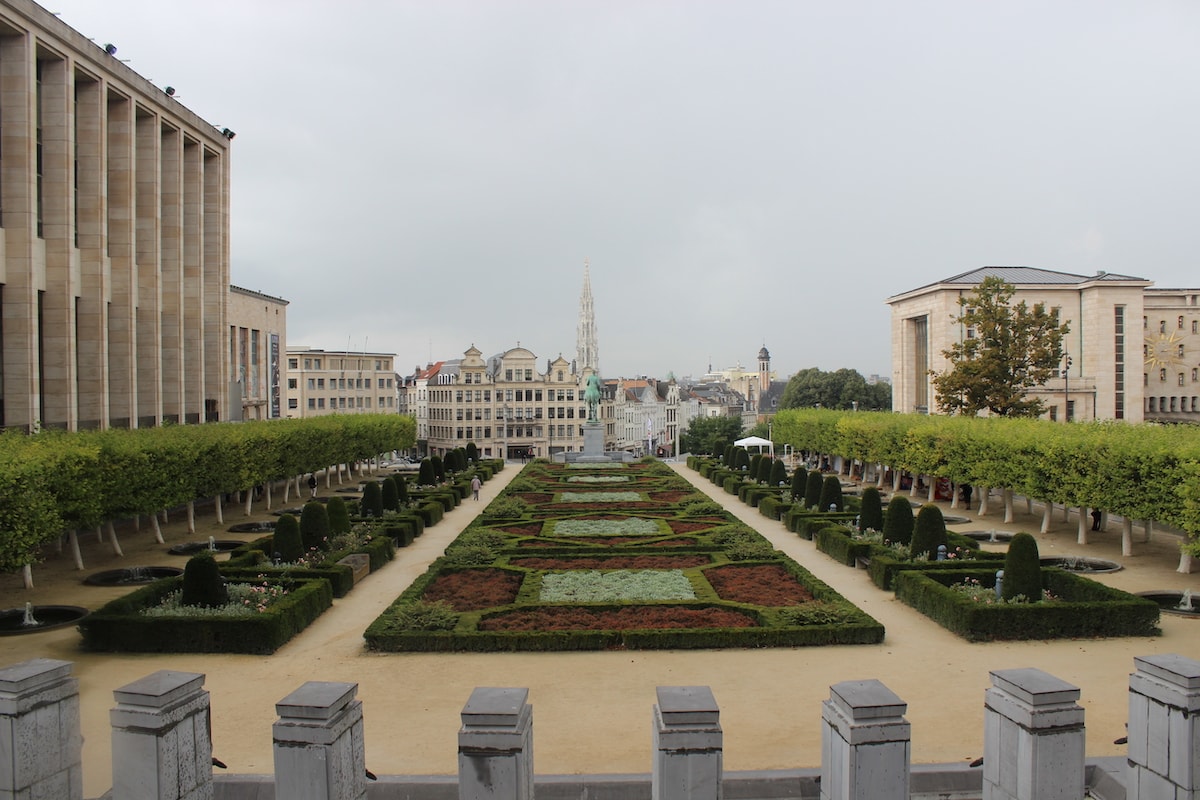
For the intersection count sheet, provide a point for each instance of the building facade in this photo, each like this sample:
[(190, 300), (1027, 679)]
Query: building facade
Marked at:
[(321, 382), (114, 237), (257, 344), (1102, 376)]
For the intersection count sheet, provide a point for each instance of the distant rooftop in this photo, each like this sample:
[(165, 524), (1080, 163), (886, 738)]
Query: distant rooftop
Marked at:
[(1025, 276)]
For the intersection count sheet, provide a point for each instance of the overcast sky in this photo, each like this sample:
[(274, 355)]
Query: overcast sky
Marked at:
[(417, 177)]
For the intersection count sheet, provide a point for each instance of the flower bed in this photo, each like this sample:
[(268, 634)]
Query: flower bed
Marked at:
[(722, 585)]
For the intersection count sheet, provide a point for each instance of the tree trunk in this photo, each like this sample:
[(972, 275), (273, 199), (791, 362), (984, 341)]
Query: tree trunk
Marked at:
[(897, 474), (1186, 563), (73, 541), (953, 494), (932, 489), (1126, 537), (269, 494), (249, 502), (880, 476), (1008, 504), (1046, 513), (219, 509), (1082, 538), (158, 537), (1147, 529), (112, 535), (191, 516), (164, 517), (27, 576), (984, 491), (1029, 506)]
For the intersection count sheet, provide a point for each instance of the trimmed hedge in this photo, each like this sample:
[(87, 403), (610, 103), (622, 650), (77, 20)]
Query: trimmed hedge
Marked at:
[(1087, 609), (836, 542), (119, 627), (885, 565)]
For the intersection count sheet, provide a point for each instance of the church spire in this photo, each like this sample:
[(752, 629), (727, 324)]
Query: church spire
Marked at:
[(587, 353)]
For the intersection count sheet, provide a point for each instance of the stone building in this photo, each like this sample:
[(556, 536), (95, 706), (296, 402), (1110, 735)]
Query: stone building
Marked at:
[(114, 245), (1109, 317), (257, 343), (321, 382)]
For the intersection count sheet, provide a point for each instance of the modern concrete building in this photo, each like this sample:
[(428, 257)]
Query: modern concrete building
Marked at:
[(324, 382), (114, 240), (1171, 354), (1101, 379), (257, 343)]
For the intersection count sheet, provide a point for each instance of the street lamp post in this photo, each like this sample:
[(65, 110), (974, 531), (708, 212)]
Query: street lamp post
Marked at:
[(1066, 373)]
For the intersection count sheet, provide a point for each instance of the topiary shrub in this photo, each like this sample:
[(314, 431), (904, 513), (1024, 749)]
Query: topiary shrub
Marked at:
[(314, 526), (472, 452), (755, 466), (1022, 569), (928, 532), (286, 541), (426, 475), (401, 490), (439, 468), (778, 472), (831, 493), (812, 489), (339, 515), (898, 521), (371, 504), (871, 513), (202, 583), (741, 457), (388, 496), (799, 484)]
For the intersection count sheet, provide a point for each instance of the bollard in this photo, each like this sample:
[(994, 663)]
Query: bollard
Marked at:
[(161, 746), (865, 743), (40, 737), (1033, 738), (495, 746), (688, 745), (319, 749), (1164, 737)]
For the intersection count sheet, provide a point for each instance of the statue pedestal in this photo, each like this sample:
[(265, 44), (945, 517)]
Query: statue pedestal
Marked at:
[(593, 440)]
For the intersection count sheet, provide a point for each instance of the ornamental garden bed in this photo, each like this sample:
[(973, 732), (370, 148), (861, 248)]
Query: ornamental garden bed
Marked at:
[(591, 581), (1082, 608)]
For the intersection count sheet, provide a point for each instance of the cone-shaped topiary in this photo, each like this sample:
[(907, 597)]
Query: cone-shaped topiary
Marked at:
[(778, 472), (928, 532), (426, 475), (439, 467), (799, 484), (286, 541), (339, 516), (730, 457), (755, 470), (742, 457), (472, 452), (898, 521), (831, 493), (871, 513), (314, 526), (372, 500), (388, 494), (401, 489), (202, 583), (812, 489), (1022, 569)]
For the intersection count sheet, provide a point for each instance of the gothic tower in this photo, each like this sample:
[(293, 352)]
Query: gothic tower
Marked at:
[(587, 353), (764, 370)]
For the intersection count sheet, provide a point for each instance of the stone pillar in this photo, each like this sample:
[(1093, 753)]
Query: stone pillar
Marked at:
[(40, 743), (320, 753), (495, 746), (1164, 729), (865, 743), (1033, 738), (161, 740), (688, 745)]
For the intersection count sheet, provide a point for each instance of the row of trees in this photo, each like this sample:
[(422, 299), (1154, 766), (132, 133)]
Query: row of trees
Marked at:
[(1138, 471), (55, 482)]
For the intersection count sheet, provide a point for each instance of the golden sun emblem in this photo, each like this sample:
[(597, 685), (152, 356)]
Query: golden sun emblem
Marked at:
[(1163, 350)]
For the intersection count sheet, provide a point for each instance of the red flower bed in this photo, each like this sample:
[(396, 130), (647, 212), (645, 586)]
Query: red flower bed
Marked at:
[(475, 589), (688, 526), (614, 562), (529, 529), (760, 584), (577, 618), (633, 540), (669, 496)]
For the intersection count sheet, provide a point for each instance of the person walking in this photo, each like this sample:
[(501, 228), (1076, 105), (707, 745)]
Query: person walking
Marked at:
[(312, 484), (475, 486)]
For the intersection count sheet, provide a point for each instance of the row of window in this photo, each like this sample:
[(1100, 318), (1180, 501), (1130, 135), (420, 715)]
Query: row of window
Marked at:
[(514, 432), (1162, 376), (1165, 405), (318, 403), (1162, 324), (340, 363)]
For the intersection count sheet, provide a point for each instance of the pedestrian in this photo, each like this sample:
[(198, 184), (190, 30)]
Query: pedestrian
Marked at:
[(965, 491), (1096, 517), (475, 485), (312, 484)]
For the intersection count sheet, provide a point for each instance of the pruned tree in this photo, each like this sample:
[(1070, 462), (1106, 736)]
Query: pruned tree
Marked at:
[(1008, 349)]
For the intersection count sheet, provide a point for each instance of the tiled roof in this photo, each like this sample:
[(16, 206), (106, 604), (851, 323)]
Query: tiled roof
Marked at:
[(1024, 276)]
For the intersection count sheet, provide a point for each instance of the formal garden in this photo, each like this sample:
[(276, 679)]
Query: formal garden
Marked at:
[(605, 556)]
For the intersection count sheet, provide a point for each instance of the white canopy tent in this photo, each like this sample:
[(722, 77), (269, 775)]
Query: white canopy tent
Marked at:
[(757, 441)]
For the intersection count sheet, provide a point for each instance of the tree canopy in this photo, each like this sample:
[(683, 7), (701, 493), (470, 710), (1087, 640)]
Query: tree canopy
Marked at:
[(710, 434), (1007, 350), (838, 390)]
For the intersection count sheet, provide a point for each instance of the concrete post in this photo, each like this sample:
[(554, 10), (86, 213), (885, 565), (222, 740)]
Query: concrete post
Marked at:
[(40, 742), (1164, 729), (1033, 738), (688, 745), (865, 743), (320, 753), (495, 746), (161, 745)]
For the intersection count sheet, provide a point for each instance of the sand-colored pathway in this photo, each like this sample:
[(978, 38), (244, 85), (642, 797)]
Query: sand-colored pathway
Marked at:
[(592, 710)]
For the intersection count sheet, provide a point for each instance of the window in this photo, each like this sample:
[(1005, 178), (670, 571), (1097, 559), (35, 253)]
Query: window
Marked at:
[(320, 383), (1179, 323), (1180, 351), (292, 383), (320, 402), (528, 374), (293, 402), (560, 372), (312, 402), (1162, 374), (1162, 326), (1181, 379), (316, 363), (508, 374), (308, 363), (1195, 326), (294, 363), (312, 383), (367, 383), (1195, 374)]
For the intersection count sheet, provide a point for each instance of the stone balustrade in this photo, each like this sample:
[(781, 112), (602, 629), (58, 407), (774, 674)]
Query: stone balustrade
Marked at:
[(1033, 745)]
